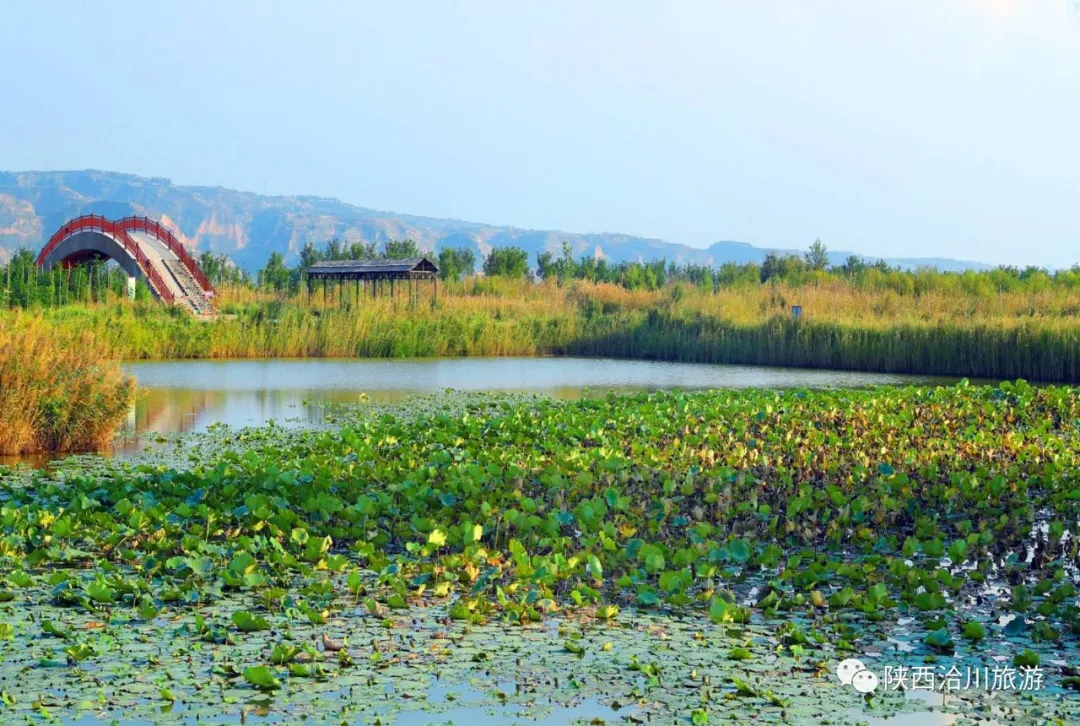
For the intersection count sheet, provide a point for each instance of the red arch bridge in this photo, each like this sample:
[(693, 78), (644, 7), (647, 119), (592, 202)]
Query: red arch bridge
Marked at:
[(143, 247)]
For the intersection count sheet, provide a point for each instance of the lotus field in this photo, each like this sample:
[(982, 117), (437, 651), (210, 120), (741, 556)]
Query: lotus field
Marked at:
[(657, 558)]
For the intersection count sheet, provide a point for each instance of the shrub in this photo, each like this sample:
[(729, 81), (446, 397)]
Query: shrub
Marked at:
[(60, 389)]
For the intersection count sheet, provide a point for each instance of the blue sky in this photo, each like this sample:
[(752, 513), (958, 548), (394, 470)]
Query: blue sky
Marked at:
[(888, 127)]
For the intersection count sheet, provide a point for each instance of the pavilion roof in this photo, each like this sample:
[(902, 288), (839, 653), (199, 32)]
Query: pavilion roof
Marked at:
[(378, 266)]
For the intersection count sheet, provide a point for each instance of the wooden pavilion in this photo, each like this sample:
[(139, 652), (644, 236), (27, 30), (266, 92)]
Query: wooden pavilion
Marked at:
[(373, 275)]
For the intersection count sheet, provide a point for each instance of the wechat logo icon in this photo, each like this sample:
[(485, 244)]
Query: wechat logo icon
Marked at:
[(853, 672)]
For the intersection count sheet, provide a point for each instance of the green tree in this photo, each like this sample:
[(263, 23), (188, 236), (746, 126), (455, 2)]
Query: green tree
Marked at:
[(853, 266), (335, 250), (545, 264), (817, 257), (510, 262), (220, 270), (770, 267), (401, 250), (456, 262), (781, 267), (309, 255), (275, 275), (210, 266), (362, 251), (563, 268)]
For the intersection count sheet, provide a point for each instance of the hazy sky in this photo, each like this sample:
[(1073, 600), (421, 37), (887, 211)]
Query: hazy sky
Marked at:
[(888, 127)]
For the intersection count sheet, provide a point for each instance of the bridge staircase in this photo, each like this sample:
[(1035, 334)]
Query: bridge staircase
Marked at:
[(193, 295), (143, 247)]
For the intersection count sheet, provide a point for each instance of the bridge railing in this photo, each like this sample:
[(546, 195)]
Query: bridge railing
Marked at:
[(96, 222), (165, 235)]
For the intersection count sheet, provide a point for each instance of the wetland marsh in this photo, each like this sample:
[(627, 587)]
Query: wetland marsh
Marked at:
[(660, 557)]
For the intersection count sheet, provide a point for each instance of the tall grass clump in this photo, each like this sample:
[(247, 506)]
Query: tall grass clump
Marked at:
[(61, 388), (1031, 334)]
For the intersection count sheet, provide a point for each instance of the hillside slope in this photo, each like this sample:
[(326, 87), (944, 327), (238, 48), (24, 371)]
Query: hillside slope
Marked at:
[(248, 227)]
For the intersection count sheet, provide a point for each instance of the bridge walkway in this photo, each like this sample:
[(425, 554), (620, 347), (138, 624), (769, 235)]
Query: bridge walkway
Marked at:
[(177, 279), (143, 247)]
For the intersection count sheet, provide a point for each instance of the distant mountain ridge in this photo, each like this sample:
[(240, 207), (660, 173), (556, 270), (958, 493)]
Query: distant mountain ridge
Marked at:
[(249, 227)]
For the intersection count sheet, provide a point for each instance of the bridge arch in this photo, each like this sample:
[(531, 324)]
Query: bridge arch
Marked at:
[(143, 247)]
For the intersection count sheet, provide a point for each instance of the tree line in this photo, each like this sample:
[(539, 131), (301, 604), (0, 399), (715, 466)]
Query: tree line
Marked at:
[(811, 267), (23, 285), (453, 263)]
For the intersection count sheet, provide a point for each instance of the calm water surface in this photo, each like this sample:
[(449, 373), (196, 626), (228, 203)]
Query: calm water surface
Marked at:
[(191, 395)]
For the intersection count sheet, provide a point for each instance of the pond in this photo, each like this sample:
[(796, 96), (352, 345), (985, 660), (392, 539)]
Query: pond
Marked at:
[(337, 606), (191, 395)]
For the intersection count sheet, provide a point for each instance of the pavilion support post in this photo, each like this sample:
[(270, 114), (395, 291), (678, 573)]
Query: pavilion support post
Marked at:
[(379, 278)]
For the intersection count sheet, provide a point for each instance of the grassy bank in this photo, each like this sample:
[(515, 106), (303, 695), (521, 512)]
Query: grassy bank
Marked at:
[(61, 389), (1031, 335)]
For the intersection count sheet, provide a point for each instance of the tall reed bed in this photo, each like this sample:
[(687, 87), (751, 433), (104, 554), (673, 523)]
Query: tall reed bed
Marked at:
[(1033, 335), (61, 388), (1030, 352)]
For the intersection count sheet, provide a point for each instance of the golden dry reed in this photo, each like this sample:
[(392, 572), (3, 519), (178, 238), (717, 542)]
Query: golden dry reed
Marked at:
[(1029, 333), (61, 389)]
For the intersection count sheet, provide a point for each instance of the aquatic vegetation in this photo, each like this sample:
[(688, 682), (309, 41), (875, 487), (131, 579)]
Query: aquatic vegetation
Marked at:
[(627, 545), (950, 332), (60, 389)]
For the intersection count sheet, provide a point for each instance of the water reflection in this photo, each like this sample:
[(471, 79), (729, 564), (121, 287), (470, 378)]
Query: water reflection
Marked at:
[(549, 375), (189, 396)]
